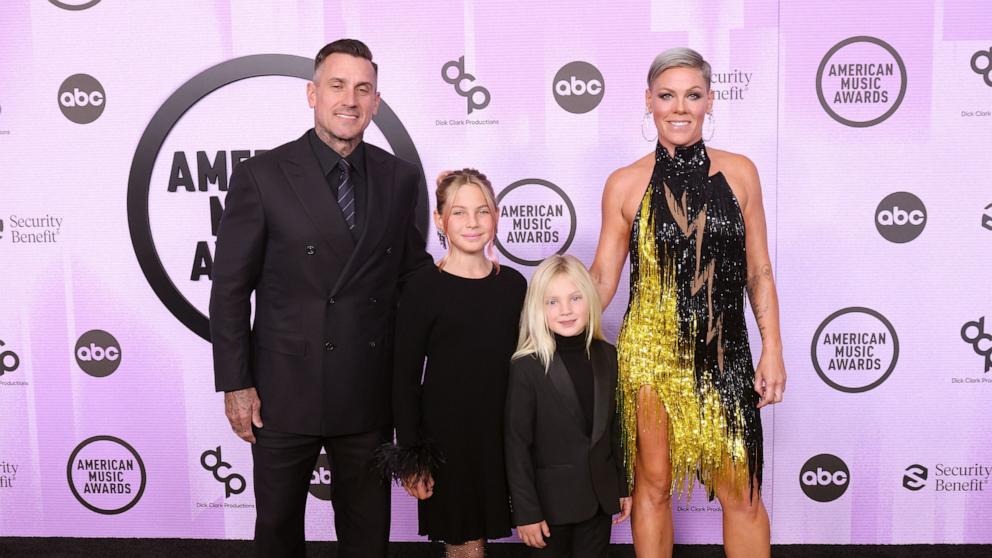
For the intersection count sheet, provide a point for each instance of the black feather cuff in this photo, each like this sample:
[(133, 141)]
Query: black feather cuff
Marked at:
[(419, 460)]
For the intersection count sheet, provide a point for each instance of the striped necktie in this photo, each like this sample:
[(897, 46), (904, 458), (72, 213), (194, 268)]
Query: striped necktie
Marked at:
[(346, 193)]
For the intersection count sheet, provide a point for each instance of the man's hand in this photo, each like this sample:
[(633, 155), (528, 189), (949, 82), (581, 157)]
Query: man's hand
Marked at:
[(624, 510), (243, 409), (533, 534), (419, 487)]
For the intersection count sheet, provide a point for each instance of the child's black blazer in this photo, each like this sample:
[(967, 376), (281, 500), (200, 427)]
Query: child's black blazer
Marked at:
[(556, 473)]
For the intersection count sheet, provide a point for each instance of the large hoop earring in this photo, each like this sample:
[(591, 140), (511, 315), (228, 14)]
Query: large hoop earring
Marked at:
[(643, 133), (712, 122)]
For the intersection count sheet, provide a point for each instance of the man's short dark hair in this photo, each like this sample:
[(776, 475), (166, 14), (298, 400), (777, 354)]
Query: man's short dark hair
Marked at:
[(351, 47)]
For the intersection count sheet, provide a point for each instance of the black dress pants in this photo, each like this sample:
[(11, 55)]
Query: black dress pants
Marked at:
[(586, 539), (283, 467)]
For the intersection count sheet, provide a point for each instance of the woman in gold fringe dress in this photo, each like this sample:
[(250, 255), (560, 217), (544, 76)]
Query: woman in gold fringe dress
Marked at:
[(692, 220)]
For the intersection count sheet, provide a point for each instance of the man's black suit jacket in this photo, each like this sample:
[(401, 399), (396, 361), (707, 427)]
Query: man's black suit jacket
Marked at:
[(320, 351), (556, 472)]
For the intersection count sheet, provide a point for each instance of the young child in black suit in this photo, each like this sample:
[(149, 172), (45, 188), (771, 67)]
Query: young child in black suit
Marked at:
[(563, 460)]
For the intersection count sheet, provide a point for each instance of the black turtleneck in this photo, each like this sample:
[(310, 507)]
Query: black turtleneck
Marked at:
[(573, 353)]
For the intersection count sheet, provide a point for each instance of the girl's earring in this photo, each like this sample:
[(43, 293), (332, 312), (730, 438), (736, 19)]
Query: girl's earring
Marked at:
[(443, 239)]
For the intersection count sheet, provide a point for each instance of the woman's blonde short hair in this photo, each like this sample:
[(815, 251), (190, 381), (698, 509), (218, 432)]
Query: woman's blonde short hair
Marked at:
[(535, 335), (679, 57)]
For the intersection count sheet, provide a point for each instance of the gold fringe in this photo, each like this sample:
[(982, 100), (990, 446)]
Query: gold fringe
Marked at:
[(653, 354)]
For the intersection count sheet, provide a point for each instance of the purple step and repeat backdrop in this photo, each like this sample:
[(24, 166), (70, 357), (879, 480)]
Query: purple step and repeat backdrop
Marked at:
[(868, 121)]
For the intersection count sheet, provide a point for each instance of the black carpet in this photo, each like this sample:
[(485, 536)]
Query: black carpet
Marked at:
[(195, 548)]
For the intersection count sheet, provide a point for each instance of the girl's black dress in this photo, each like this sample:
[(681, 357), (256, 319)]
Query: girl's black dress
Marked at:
[(467, 331)]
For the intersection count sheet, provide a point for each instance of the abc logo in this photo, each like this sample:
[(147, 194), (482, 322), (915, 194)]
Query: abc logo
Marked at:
[(900, 217), (578, 87), (82, 98), (98, 353), (320, 479), (824, 477)]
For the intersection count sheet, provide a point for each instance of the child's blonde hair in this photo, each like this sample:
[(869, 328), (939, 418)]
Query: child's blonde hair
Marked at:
[(535, 336)]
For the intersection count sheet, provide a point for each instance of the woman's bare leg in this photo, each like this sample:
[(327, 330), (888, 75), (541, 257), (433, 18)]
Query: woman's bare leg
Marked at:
[(651, 515), (746, 531)]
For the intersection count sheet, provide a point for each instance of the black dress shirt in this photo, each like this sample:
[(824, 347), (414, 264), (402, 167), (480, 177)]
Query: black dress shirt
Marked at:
[(328, 160)]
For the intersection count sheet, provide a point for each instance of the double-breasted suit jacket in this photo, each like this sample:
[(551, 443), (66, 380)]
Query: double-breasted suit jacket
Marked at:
[(556, 471), (319, 352)]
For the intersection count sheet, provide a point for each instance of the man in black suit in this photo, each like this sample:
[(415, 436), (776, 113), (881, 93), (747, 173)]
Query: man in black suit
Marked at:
[(322, 230)]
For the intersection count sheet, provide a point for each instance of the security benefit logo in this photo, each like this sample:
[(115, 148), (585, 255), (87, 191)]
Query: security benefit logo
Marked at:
[(987, 218), (320, 478), (855, 349), (32, 229), (731, 85), (82, 98), (861, 81), (579, 87), (966, 477), (106, 475), (213, 461), (182, 166), (900, 217), (824, 477), (8, 473), (915, 477), (98, 353), (536, 220)]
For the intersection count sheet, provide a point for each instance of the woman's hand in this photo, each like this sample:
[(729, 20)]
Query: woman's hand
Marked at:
[(420, 487), (769, 378)]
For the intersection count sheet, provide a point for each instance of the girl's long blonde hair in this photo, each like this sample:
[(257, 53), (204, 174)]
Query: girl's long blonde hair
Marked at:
[(535, 336)]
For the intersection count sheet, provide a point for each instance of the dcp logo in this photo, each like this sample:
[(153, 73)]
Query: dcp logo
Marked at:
[(82, 98), (478, 97), (578, 87), (981, 64), (320, 479), (974, 333), (74, 6), (824, 477), (915, 477), (233, 483), (98, 353), (9, 361), (900, 217)]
